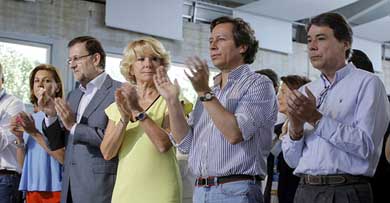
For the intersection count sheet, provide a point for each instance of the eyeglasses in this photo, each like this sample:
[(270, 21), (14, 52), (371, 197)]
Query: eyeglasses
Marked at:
[(322, 96), (76, 58)]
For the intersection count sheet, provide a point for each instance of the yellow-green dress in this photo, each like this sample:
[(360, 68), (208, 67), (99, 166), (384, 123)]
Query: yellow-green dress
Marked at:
[(144, 174)]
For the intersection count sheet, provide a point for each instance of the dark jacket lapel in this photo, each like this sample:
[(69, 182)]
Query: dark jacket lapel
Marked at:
[(100, 95), (74, 99)]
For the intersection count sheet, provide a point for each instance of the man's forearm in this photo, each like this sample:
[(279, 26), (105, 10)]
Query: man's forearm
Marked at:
[(225, 121), (178, 123)]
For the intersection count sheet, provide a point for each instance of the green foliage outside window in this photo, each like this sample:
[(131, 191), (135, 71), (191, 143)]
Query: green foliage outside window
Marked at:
[(16, 69)]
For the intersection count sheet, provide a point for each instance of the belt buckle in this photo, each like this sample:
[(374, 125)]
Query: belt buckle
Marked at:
[(314, 180), (338, 179), (209, 183), (204, 182)]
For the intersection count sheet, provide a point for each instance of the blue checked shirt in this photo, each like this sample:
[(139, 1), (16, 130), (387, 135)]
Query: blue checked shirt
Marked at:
[(251, 98), (348, 138)]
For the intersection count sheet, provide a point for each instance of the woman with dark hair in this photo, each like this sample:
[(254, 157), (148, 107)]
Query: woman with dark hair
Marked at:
[(41, 174), (288, 182)]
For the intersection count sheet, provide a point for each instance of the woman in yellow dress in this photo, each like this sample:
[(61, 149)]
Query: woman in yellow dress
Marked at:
[(137, 131)]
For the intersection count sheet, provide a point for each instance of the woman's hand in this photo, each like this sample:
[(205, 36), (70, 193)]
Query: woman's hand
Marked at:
[(45, 103), (130, 93), (122, 106), (28, 123), (165, 87), (16, 127)]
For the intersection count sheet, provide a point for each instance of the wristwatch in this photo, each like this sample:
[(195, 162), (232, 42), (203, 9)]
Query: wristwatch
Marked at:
[(141, 116), (19, 144), (208, 96)]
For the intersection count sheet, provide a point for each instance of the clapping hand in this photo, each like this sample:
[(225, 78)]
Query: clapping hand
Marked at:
[(16, 126), (165, 87), (45, 103), (200, 74), (27, 122), (64, 111), (130, 93)]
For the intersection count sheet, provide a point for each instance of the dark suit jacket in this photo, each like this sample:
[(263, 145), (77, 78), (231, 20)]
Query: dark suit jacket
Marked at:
[(90, 177)]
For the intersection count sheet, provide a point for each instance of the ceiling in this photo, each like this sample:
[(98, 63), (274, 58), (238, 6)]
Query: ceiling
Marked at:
[(366, 16)]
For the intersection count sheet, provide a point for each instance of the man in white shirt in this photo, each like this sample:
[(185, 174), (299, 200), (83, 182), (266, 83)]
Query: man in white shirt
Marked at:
[(336, 130), (87, 176), (9, 170)]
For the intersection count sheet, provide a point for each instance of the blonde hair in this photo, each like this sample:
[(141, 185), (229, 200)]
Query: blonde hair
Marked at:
[(139, 48)]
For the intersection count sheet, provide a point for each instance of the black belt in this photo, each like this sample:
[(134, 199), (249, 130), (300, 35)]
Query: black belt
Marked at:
[(8, 172), (214, 180), (338, 179)]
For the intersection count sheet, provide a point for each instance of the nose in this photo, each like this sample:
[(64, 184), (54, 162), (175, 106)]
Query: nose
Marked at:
[(213, 45), (40, 83), (147, 62), (312, 45), (72, 65)]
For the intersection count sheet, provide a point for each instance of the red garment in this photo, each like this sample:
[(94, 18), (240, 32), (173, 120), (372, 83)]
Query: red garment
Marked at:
[(43, 197)]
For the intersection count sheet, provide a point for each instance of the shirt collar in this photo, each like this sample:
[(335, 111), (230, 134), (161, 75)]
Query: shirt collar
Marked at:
[(97, 82), (340, 74), (233, 75)]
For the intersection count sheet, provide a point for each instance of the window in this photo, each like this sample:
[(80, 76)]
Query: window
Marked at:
[(18, 58), (113, 67), (175, 71)]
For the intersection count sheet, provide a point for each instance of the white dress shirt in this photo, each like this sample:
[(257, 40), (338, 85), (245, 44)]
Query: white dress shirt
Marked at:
[(89, 91), (9, 106), (348, 138)]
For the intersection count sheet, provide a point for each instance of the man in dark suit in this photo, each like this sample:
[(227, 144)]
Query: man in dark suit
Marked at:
[(87, 176)]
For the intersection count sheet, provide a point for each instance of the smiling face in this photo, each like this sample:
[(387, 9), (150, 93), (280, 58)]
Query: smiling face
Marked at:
[(44, 79), (326, 52), (224, 53)]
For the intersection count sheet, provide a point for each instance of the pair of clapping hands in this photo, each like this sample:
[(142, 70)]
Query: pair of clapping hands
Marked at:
[(126, 98), (24, 122), (301, 109)]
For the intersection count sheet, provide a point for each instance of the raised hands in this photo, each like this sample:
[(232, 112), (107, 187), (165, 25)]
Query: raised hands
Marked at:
[(200, 74), (23, 122), (64, 111), (16, 126), (46, 103), (129, 91), (126, 98), (165, 87), (301, 109)]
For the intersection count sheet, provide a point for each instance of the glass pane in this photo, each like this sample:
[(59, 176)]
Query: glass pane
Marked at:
[(113, 67), (18, 60), (176, 71)]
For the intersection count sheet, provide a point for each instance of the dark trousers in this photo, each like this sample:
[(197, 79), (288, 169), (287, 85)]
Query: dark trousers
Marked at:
[(9, 185), (351, 193)]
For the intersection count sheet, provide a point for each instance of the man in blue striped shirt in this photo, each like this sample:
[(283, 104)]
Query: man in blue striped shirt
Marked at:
[(336, 130), (228, 135)]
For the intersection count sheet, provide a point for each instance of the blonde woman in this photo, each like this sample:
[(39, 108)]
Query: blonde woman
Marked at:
[(137, 131)]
